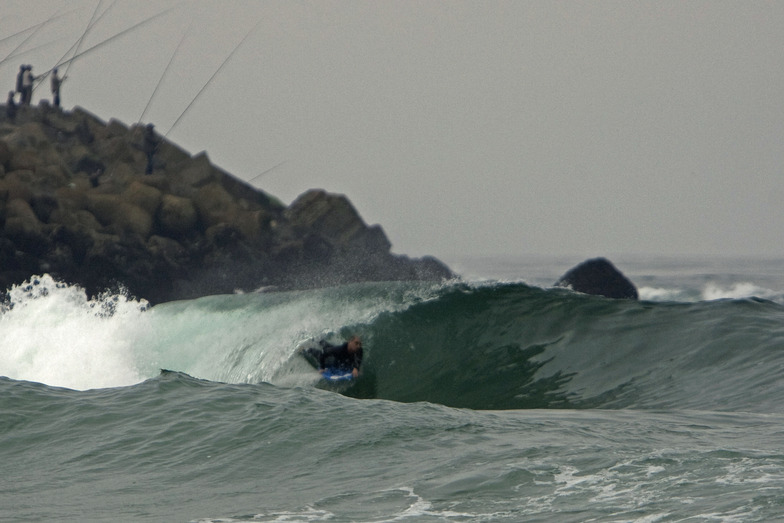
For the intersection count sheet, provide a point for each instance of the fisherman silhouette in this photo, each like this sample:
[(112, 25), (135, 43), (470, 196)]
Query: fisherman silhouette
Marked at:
[(150, 146), (56, 82), (19, 81), (10, 107), (27, 85)]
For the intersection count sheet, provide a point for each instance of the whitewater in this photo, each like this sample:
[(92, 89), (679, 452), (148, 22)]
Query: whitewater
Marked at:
[(490, 397)]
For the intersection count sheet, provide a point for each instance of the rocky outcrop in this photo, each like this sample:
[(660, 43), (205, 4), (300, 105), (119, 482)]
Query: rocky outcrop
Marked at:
[(600, 277), (75, 203), (326, 230)]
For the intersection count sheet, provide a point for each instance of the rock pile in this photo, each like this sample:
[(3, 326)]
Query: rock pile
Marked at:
[(75, 203)]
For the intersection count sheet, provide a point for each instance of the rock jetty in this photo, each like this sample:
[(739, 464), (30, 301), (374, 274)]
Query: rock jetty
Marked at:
[(75, 203)]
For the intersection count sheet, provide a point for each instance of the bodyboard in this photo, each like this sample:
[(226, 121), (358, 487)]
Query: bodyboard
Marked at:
[(337, 375), (311, 352)]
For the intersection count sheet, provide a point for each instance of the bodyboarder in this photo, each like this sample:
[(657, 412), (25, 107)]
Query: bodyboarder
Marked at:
[(346, 357)]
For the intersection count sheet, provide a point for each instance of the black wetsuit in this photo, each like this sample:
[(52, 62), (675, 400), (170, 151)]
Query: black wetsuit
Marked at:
[(339, 357)]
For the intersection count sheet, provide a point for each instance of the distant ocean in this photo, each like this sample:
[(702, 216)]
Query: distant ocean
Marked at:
[(490, 398)]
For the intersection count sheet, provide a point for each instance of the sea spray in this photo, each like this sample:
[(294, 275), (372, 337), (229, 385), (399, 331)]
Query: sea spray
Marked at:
[(54, 334), (250, 338)]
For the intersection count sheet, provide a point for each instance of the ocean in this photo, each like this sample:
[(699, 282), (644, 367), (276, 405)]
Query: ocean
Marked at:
[(494, 397)]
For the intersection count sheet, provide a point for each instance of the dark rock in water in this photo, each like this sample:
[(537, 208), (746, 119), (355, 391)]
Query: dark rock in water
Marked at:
[(75, 202), (600, 277)]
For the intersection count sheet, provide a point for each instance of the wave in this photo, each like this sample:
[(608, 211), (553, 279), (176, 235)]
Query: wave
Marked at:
[(513, 346), (482, 346)]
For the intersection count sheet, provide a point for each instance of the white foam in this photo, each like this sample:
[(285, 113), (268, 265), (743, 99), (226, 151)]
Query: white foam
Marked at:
[(421, 508), (54, 334), (660, 294), (736, 291)]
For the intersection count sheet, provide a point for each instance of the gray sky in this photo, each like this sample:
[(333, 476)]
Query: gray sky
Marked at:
[(463, 128)]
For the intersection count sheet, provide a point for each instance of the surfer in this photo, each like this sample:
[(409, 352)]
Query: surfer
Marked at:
[(346, 357)]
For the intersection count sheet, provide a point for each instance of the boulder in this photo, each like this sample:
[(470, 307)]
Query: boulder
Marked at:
[(52, 175), (5, 154), (23, 227), (73, 197), (117, 178), (34, 135), (15, 186), (120, 216), (78, 238), (167, 249), (62, 122), (198, 172), (144, 196), (105, 207), (25, 159), (177, 216), (134, 220), (599, 277), (333, 217), (214, 205), (43, 205), (89, 164), (115, 128)]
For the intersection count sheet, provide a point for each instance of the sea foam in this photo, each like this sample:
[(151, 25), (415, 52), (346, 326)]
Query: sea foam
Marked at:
[(54, 334)]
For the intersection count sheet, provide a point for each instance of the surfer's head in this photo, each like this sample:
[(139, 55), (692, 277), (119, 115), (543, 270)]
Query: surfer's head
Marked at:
[(354, 344)]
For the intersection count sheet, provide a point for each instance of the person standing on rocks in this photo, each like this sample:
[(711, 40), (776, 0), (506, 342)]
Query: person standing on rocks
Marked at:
[(27, 85), (19, 81), (150, 146), (10, 107), (56, 82)]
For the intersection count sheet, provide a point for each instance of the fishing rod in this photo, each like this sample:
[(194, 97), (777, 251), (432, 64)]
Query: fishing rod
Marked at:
[(265, 172), (111, 38), (41, 78), (210, 80), (90, 25), (37, 27), (166, 70), (20, 53), (19, 32)]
